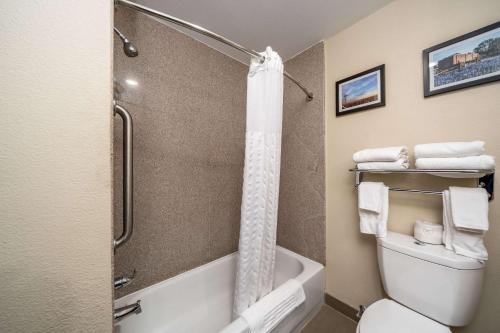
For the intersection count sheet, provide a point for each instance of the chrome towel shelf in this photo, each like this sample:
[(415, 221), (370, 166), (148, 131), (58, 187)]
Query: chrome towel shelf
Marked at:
[(485, 178)]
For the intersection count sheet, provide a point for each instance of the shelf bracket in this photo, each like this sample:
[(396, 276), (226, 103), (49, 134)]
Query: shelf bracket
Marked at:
[(358, 178), (487, 182)]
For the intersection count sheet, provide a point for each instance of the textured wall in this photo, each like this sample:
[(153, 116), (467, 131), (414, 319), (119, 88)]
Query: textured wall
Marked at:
[(396, 36), (189, 116), (55, 192), (301, 219)]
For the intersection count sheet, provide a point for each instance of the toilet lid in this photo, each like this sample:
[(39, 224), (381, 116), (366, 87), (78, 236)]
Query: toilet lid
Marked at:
[(386, 316)]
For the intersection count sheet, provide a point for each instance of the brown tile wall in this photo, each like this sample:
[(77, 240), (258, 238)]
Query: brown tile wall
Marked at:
[(301, 218), (189, 122)]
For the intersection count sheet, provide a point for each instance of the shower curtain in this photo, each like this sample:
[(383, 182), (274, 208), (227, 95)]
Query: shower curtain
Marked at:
[(259, 208)]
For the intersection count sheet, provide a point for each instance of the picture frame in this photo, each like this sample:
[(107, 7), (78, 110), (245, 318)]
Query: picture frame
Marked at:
[(462, 62), (363, 91)]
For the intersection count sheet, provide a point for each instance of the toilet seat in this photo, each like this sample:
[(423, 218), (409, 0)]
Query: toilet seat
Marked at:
[(386, 316)]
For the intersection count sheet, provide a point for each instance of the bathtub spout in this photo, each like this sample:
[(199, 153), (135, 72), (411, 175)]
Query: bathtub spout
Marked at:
[(127, 310)]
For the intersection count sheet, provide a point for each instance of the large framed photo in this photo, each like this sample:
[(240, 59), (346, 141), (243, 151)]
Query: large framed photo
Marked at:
[(362, 91), (462, 62)]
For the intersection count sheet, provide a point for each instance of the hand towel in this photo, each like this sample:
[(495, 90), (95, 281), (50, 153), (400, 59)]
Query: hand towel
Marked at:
[(269, 311), (373, 218), (370, 196), (447, 221), (483, 162), (466, 243), (388, 154), (449, 149), (469, 208), (400, 164)]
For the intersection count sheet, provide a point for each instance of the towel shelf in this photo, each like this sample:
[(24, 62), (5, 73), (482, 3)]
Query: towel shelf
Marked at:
[(485, 178)]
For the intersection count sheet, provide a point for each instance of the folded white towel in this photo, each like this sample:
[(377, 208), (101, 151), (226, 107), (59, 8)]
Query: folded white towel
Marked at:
[(469, 208), (374, 197), (400, 164), (269, 311), (388, 154), (483, 162), (370, 196), (449, 149), (460, 241)]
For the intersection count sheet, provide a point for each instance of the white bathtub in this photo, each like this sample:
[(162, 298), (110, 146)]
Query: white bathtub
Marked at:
[(200, 300)]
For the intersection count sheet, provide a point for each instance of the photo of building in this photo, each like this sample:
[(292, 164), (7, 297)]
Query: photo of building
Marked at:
[(466, 61)]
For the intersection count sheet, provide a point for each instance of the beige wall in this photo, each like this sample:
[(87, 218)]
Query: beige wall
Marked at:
[(395, 36), (55, 166)]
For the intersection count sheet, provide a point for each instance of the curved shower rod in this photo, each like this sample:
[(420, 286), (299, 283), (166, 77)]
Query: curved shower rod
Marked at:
[(208, 33)]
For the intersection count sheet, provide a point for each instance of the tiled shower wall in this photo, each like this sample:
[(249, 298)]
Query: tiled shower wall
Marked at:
[(301, 217), (188, 109)]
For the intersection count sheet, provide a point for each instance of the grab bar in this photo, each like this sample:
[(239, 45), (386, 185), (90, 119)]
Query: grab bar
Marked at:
[(127, 310), (128, 222)]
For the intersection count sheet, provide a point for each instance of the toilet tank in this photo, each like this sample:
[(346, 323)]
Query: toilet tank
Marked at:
[(430, 279)]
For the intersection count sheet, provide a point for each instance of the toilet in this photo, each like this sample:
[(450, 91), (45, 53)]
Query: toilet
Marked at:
[(431, 288)]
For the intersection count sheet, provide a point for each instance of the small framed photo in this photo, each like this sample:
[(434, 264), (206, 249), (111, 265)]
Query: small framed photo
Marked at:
[(463, 62), (362, 91)]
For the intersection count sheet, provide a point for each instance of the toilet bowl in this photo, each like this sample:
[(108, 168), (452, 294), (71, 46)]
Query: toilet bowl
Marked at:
[(386, 316)]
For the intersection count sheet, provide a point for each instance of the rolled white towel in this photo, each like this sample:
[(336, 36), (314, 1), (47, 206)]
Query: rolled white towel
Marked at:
[(483, 162), (449, 149), (400, 164), (388, 154)]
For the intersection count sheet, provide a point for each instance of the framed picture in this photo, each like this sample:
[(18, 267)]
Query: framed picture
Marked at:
[(362, 91), (462, 62)]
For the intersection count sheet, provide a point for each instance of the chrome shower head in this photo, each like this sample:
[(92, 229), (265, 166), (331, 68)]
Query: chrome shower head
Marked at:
[(128, 48)]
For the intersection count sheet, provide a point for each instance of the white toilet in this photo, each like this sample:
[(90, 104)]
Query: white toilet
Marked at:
[(431, 288)]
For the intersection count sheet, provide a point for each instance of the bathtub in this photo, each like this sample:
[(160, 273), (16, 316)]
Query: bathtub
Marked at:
[(200, 300)]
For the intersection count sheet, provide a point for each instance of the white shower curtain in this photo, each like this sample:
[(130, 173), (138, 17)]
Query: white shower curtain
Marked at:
[(259, 208)]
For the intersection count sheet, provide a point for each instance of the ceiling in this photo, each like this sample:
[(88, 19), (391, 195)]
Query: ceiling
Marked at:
[(288, 26)]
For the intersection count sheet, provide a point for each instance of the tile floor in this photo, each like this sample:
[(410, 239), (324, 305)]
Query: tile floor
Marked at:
[(329, 320)]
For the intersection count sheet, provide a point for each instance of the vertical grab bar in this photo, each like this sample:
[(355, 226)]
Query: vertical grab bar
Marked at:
[(128, 222)]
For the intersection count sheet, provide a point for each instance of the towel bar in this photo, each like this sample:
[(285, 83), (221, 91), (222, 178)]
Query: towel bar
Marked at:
[(397, 189), (485, 178)]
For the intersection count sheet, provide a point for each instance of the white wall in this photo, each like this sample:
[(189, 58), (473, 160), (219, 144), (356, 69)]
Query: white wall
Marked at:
[(55, 166), (395, 36)]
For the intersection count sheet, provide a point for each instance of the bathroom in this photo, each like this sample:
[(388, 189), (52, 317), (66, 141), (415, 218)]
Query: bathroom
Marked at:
[(139, 135)]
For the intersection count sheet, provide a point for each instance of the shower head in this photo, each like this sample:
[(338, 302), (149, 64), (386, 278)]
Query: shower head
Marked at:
[(128, 48)]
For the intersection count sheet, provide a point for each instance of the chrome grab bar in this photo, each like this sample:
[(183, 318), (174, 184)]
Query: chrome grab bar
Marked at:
[(128, 221), (127, 310)]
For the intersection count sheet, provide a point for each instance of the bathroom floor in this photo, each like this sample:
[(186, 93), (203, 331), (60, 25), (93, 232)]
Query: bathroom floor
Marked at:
[(329, 320)]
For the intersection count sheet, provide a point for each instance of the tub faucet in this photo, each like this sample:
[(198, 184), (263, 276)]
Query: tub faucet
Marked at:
[(127, 310), (123, 281)]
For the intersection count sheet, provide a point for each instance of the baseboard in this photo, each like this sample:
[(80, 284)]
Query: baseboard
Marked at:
[(341, 307)]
